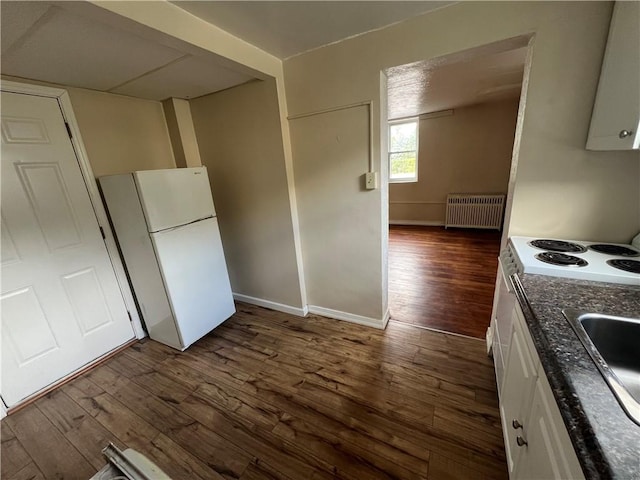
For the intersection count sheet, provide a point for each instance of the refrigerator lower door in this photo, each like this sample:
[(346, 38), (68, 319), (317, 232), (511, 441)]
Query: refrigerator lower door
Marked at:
[(195, 274)]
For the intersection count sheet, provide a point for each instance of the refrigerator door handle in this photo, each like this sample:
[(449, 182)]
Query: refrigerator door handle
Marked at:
[(183, 225)]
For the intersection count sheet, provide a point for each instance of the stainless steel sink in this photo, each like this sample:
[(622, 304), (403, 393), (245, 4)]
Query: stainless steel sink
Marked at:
[(614, 345)]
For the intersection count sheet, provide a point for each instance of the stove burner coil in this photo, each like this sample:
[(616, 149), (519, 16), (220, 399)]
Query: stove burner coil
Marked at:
[(631, 266), (557, 246), (617, 250), (561, 259)]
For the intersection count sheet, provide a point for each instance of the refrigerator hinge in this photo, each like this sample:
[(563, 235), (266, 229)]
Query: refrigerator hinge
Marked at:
[(102, 233), (68, 129)]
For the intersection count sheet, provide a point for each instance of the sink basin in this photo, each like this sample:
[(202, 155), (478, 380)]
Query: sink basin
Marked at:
[(614, 345)]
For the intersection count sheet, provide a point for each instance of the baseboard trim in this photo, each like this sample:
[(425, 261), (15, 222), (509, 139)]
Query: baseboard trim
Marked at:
[(280, 307), (386, 318), (380, 324), (421, 223)]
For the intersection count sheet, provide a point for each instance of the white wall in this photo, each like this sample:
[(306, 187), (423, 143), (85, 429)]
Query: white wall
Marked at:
[(240, 141), (121, 134), (560, 189), (467, 152), (329, 163)]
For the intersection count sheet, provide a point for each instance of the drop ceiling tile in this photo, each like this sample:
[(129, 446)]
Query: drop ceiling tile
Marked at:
[(23, 15), (70, 50), (188, 78), (286, 28)]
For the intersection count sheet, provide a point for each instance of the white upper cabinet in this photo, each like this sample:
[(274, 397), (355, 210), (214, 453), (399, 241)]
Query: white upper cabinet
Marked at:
[(615, 120)]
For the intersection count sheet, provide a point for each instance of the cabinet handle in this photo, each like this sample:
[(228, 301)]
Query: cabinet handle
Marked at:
[(625, 133), (516, 424), (521, 441)]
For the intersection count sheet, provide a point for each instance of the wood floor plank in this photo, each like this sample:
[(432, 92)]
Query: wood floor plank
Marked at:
[(272, 396), (13, 455), (87, 435), (178, 462), (443, 468), (50, 450), (268, 448), (260, 471), (215, 451), (155, 410), (131, 429), (348, 460), (30, 472), (153, 381), (441, 278)]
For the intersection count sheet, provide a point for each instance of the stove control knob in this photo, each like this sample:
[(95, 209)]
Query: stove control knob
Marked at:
[(625, 133)]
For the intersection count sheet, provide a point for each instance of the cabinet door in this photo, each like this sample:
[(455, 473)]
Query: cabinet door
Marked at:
[(548, 453), (519, 382), (617, 105)]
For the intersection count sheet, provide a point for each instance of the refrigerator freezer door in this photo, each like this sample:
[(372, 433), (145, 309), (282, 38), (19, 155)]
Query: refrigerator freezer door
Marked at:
[(195, 275), (174, 197)]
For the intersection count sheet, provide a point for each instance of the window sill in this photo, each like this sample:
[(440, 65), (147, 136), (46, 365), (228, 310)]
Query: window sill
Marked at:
[(403, 180)]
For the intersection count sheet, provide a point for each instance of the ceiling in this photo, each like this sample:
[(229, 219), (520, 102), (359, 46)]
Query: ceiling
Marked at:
[(288, 28), (67, 43), (461, 80), (50, 43)]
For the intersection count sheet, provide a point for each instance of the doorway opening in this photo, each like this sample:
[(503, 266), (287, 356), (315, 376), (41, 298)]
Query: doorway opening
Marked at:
[(466, 107)]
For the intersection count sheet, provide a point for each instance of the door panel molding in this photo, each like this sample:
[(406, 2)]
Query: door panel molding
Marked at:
[(25, 301), (64, 101), (31, 173), (24, 130)]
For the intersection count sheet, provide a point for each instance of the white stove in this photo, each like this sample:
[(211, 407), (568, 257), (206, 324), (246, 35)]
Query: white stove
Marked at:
[(596, 261)]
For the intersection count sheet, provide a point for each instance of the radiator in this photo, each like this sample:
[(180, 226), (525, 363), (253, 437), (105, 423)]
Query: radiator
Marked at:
[(474, 211)]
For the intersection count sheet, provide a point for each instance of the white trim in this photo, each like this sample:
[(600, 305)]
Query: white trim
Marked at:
[(291, 190), (415, 202), (350, 317), (280, 307), (426, 116), (386, 318), (368, 104), (425, 223), (31, 89), (3, 409), (437, 330), (64, 101)]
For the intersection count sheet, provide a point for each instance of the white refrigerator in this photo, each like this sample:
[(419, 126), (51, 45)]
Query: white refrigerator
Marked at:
[(167, 231)]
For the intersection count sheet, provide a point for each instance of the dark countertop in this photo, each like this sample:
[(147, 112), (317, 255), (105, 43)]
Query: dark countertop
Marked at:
[(606, 440)]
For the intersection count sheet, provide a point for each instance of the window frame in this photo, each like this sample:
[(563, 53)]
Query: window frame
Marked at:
[(402, 121)]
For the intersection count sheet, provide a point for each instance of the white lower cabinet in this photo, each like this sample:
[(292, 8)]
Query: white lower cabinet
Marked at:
[(536, 441)]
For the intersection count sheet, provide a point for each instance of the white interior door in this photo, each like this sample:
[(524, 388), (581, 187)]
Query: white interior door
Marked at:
[(61, 304)]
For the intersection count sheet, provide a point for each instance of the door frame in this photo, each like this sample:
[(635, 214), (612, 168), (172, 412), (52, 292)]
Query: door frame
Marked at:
[(64, 102)]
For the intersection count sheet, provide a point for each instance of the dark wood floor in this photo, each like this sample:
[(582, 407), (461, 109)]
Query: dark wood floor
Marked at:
[(443, 279), (273, 396)]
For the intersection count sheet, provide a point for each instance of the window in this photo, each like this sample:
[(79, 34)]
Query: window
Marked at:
[(403, 151)]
